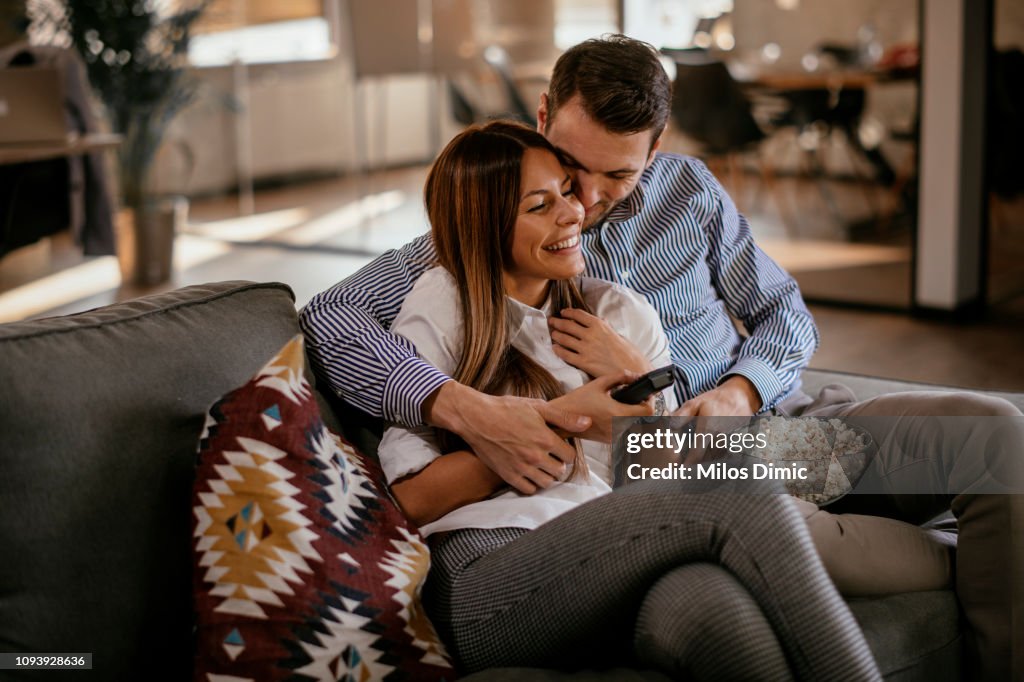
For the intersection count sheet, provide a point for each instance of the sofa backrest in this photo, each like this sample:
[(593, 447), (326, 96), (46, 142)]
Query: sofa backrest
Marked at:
[(100, 416)]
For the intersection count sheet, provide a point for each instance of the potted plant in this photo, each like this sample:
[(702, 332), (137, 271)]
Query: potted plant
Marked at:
[(136, 54)]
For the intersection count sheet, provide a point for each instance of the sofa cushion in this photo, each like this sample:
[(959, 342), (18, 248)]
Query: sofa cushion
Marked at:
[(304, 565), (100, 414), (914, 635)]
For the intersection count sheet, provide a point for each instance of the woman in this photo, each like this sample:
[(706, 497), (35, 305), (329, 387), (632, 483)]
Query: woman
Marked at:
[(573, 575)]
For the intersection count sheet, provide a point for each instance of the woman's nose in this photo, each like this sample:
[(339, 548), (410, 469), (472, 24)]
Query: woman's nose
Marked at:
[(571, 210)]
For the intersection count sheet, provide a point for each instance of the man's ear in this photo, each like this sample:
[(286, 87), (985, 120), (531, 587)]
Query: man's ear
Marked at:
[(655, 147), (542, 113)]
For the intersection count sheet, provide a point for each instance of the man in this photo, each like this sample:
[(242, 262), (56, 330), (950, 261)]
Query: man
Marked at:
[(662, 225)]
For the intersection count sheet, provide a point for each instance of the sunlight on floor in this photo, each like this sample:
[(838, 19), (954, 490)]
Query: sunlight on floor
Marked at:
[(90, 278), (251, 228), (202, 242), (298, 226), (803, 255)]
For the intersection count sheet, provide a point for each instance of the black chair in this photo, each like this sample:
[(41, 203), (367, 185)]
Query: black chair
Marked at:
[(498, 60), (514, 106), (711, 109), (462, 110)]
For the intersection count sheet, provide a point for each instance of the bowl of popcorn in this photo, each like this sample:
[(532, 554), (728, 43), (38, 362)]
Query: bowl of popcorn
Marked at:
[(829, 455)]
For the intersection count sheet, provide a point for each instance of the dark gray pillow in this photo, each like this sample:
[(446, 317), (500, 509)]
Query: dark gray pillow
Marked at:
[(100, 415)]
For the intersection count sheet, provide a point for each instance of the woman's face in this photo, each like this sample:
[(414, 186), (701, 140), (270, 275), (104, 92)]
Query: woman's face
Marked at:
[(546, 239)]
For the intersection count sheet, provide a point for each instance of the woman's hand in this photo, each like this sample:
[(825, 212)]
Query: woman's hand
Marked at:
[(594, 400), (587, 342)]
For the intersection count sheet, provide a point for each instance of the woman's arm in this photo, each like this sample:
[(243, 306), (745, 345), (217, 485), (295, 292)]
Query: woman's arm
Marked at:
[(623, 332), (594, 400), (589, 343), (449, 482)]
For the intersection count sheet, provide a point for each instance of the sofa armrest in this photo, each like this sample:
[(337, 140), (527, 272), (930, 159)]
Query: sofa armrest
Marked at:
[(864, 386)]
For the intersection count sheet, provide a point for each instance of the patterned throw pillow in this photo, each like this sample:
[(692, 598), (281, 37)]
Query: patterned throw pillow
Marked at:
[(304, 569)]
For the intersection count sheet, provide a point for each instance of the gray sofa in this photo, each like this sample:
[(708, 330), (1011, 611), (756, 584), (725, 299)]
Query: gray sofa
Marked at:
[(99, 415)]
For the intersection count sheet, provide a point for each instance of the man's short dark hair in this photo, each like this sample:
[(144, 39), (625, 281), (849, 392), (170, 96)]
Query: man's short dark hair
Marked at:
[(620, 81)]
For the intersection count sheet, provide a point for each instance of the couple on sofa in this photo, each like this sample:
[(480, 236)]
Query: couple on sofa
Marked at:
[(496, 353)]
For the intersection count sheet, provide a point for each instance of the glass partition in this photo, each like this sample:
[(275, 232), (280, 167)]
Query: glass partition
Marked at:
[(807, 112)]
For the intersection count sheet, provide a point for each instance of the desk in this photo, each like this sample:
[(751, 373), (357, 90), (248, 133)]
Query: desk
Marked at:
[(803, 80), (48, 187), (25, 153), (835, 98)]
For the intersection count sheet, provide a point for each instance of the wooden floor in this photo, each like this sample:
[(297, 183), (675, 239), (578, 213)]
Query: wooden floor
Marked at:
[(311, 235)]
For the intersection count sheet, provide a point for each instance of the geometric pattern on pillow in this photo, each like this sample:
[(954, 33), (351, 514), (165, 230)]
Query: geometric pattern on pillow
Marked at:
[(304, 568)]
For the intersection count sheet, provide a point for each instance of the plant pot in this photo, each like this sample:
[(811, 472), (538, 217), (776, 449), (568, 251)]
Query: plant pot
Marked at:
[(145, 240)]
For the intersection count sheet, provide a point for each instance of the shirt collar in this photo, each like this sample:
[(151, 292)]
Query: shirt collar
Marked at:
[(519, 312)]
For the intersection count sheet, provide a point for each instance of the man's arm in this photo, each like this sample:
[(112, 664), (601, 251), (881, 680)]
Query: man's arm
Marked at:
[(782, 333), (351, 348)]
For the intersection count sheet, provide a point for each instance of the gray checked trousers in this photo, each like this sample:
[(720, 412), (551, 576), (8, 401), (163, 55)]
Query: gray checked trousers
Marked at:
[(705, 585)]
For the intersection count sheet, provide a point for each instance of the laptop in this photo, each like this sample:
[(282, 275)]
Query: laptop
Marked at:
[(32, 106)]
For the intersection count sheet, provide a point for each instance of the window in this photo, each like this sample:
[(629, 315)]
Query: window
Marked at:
[(261, 31)]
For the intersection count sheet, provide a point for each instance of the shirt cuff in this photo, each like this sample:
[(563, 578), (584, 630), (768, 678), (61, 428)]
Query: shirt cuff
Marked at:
[(763, 376), (407, 387)]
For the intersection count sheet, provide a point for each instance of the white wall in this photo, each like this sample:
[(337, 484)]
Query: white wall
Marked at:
[(948, 265), (296, 118), (280, 120), (757, 22)]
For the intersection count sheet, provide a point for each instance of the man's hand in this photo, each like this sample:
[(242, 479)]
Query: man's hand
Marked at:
[(734, 397), (587, 342), (509, 434), (594, 400)]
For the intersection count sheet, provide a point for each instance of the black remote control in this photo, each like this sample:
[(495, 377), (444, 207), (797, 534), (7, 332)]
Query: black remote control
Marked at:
[(642, 388)]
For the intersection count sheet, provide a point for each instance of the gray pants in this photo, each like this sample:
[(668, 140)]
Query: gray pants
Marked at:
[(867, 552), (711, 585)]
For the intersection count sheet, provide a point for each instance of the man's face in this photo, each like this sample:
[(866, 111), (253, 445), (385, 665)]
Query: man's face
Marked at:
[(605, 166)]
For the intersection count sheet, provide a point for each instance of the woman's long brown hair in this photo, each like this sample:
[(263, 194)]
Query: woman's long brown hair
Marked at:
[(472, 199)]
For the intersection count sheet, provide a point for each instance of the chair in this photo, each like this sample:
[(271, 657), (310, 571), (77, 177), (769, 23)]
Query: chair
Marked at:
[(709, 107), (712, 110), (467, 111)]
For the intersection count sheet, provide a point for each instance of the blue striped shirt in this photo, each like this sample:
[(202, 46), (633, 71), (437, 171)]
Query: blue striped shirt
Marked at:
[(677, 239)]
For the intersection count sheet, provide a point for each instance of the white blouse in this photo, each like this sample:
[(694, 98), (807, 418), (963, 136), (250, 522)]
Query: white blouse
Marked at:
[(431, 319)]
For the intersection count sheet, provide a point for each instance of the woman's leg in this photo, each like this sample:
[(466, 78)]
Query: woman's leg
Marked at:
[(567, 593), (699, 623)]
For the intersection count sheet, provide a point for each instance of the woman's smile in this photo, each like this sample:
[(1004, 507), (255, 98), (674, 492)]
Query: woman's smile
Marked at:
[(546, 239), (566, 245)]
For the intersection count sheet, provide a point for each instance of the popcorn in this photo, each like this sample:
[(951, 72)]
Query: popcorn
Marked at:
[(834, 454)]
